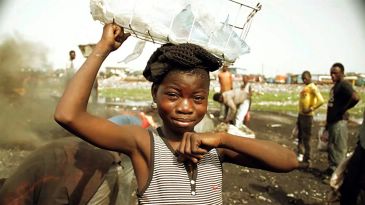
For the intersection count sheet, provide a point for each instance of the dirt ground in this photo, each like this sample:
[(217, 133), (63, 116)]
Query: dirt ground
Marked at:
[(251, 186), (302, 186)]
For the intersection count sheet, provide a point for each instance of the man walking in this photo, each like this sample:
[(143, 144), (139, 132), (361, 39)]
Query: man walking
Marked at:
[(342, 98), (310, 99)]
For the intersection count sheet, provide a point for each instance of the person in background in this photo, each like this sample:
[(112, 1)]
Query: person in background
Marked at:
[(73, 63), (310, 99), (236, 101), (246, 86), (141, 118), (342, 98), (226, 83), (71, 66), (166, 160), (64, 171), (72, 171), (354, 175)]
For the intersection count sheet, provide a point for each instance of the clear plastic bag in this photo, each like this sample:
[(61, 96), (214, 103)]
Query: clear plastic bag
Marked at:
[(294, 132), (241, 131), (322, 139), (338, 175), (181, 21)]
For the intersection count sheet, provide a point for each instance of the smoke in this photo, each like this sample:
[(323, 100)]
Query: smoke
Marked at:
[(26, 108)]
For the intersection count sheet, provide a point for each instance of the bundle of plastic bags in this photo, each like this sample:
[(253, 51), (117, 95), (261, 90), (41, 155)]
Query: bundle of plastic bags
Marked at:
[(322, 139), (206, 23)]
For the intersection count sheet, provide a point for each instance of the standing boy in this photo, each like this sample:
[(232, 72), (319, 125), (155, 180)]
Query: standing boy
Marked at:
[(310, 99), (342, 98), (226, 83)]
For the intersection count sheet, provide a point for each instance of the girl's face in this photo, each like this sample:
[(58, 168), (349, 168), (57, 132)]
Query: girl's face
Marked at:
[(182, 99)]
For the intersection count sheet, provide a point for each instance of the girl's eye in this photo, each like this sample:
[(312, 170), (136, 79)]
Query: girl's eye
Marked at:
[(172, 96), (199, 99)]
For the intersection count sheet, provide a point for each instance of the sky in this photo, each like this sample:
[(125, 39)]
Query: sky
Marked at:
[(286, 36)]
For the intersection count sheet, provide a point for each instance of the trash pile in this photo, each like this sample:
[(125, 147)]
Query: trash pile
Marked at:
[(241, 131)]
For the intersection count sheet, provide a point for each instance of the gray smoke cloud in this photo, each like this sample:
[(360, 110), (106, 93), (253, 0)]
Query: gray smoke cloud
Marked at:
[(26, 105)]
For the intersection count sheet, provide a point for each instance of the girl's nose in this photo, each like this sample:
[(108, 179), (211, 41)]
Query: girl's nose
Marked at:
[(185, 106)]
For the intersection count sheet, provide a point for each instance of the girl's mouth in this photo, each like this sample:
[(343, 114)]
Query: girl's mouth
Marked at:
[(182, 122)]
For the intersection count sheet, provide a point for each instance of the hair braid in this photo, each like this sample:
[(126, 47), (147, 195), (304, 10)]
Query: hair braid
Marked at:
[(184, 56)]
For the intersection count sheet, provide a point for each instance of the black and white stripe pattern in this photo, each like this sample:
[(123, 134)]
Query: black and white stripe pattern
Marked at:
[(170, 183)]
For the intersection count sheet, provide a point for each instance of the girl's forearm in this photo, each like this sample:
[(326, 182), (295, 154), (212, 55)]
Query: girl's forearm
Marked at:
[(270, 153)]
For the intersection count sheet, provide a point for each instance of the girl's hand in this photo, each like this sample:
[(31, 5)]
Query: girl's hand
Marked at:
[(195, 145), (113, 36)]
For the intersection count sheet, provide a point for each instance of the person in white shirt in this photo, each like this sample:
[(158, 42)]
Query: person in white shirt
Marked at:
[(234, 99)]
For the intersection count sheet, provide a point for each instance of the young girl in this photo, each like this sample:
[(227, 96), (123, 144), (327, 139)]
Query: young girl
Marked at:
[(173, 165)]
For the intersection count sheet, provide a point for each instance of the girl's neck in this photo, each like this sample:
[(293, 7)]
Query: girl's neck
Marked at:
[(171, 135)]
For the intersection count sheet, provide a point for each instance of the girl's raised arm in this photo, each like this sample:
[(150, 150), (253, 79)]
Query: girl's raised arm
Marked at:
[(71, 112)]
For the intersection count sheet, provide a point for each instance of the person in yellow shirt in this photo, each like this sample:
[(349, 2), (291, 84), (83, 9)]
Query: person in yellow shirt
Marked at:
[(310, 99)]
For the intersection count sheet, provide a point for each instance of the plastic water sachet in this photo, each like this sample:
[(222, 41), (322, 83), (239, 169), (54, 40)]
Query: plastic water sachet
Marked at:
[(179, 21)]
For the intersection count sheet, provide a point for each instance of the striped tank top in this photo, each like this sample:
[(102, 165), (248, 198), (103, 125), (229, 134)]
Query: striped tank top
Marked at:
[(170, 183)]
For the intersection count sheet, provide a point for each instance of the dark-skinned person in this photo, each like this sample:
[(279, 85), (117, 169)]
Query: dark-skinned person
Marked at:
[(172, 164), (237, 101), (64, 171), (342, 98), (310, 99), (353, 186), (70, 170), (225, 80)]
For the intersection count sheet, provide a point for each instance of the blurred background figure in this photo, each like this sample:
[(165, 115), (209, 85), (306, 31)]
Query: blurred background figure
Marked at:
[(72, 171), (142, 118), (65, 171), (246, 86), (352, 190), (72, 65), (226, 83), (235, 100)]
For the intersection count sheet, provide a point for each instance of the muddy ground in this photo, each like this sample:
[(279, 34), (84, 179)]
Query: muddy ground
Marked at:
[(302, 186), (251, 186)]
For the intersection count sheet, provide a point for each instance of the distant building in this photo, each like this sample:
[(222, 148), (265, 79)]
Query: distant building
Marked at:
[(352, 79), (280, 79), (294, 79), (324, 79), (117, 71), (361, 80), (256, 78), (237, 72)]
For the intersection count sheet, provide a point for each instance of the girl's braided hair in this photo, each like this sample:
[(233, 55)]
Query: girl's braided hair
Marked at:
[(184, 56)]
